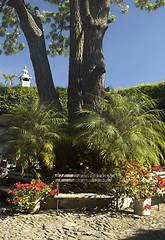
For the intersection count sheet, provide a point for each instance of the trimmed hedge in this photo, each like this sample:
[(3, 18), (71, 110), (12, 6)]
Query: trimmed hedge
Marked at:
[(155, 91), (11, 95)]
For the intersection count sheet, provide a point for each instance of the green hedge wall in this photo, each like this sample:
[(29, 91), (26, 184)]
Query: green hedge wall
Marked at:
[(11, 95), (155, 91)]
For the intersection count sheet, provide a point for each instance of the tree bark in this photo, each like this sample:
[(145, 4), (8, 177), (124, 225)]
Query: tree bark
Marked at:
[(75, 60), (32, 28), (94, 16)]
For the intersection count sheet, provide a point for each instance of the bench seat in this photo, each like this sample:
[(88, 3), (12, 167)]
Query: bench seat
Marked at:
[(82, 195)]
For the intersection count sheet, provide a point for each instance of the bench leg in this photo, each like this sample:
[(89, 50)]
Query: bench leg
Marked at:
[(57, 199), (57, 205), (158, 202), (117, 202)]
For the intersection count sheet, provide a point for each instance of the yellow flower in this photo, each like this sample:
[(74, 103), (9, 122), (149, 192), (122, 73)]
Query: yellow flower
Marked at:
[(127, 6)]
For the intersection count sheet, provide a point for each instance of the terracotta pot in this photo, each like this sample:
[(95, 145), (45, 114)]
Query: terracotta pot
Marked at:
[(35, 207), (140, 209)]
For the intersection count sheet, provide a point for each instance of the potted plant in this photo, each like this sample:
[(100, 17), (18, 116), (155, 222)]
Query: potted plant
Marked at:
[(28, 196), (135, 180)]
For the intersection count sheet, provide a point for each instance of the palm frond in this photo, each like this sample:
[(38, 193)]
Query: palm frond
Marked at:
[(33, 128), (130, 126)]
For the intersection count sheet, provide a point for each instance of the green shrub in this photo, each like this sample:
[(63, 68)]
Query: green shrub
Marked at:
[(32, 132), (129, 127), (9, 96), (155, 91)]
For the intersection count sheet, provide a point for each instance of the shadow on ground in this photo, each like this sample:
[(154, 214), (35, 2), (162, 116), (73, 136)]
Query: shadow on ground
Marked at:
[(148, 235)]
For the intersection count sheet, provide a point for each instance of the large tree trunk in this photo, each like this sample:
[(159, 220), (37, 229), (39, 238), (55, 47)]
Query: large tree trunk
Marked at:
[(94, 16), (75, 60), (32, 27)]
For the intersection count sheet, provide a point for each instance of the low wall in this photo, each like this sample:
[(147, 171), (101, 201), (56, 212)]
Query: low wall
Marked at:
[(92, 202), (79, 201)]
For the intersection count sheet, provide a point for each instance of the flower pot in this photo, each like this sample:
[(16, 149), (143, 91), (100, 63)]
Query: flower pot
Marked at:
[(35, 207), (140, 208)]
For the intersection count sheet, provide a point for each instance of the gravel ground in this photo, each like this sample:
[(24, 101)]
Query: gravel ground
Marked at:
[(81, 225)]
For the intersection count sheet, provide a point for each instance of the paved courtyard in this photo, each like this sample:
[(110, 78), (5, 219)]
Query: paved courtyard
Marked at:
[(81, 225)]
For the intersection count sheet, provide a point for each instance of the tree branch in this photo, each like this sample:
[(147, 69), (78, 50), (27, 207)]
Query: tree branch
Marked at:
[(26, 18), (19, 6), (94, 15)]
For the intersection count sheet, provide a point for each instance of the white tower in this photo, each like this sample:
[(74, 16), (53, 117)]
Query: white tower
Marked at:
[(24, 78)]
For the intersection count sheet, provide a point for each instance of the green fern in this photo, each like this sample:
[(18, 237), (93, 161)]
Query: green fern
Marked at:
[(33, 129), (129, 127)]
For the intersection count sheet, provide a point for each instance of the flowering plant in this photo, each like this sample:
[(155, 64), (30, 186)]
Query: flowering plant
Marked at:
[(160, 179), (25, 195), (133, 179), (148, 206)]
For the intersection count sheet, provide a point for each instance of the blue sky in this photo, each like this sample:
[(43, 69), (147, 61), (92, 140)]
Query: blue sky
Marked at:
[(134, 48)]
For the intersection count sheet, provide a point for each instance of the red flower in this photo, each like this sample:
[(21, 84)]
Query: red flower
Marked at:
[(14, 191), (26, 185), (136, 182), (19, 198), (19, 185), (38, 189), (122, 182), (156, 166), (148, 206), (7, 190), (52, 192), (7, 199)]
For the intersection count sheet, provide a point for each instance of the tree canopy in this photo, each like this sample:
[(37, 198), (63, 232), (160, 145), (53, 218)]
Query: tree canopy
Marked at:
[(88, 21), (149, 5), (58, 22)]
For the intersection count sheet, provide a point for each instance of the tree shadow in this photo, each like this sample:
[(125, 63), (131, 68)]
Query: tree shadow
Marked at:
[(148, 235), (8, 209)]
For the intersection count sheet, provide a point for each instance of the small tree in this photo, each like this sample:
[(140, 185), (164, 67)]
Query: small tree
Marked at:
[(9, 78), (32, 132)]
